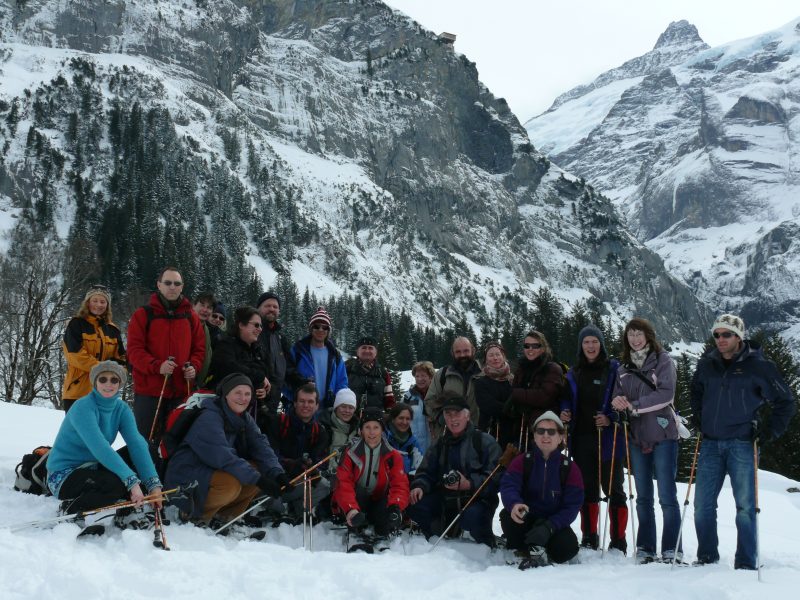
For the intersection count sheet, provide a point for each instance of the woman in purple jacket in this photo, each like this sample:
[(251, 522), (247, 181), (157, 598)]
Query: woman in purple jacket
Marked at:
[(645, 389), (542, 493)]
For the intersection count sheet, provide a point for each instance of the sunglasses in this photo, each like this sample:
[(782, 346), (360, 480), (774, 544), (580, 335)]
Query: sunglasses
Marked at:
[(256, 324), (104, 379), (217, 316), (551, 431), (322, 327), (532, 346), (724, 334), (169, 283)]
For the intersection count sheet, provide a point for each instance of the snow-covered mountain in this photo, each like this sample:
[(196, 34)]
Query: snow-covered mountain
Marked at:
[(337, 141), (700, 149)]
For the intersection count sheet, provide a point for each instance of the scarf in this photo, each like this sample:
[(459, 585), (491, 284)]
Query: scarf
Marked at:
[(501, 374), (639, 356)]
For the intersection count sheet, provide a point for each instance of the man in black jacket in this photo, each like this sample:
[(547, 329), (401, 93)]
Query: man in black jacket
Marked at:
[(280, 366), (732, 384), (370, 381)]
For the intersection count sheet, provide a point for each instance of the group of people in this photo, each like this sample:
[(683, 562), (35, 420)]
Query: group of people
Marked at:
[(277, 413)]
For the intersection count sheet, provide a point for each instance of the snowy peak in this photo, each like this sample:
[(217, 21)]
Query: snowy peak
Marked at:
[(679, 33)]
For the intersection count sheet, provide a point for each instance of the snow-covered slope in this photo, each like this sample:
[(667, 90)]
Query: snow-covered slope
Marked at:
[(51, 564), (701, 154), (368, 156)]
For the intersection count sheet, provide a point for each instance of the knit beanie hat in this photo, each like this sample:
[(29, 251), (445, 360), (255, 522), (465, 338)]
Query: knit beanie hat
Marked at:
[(320, 316), (98, 290), (219, 307), (268, 296), (731, 323), (345, 396), (367, 340), (591, 330), (550, 416), (372, 413), (231, 381), (108, 366), (490, 345)]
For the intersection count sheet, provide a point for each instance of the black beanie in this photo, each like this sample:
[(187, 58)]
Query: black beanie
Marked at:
[(591, 330), (267, 296), (231, 381), (372, 413)]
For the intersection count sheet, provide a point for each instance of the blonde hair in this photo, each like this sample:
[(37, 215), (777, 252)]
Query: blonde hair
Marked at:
[(83, 310), (424, 365)]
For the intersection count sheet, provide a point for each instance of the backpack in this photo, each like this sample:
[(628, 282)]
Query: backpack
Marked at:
[(32, 472), (527, 466), (179, 421), (170, 315)]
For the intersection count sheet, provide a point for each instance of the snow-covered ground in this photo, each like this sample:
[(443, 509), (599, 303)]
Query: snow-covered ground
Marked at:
[(51, 563)]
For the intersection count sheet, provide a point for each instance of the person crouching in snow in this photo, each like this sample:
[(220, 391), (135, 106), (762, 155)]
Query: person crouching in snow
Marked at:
[(542, 493), (228, 456), (83, 469), (371, 486)]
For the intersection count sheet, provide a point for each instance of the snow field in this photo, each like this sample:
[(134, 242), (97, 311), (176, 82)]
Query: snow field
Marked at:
[(51, 563)]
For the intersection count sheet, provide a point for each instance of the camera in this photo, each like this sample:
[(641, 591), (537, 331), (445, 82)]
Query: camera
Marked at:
[(451, 478)]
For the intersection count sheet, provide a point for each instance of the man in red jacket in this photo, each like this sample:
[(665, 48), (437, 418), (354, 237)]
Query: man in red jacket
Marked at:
[(167, 345)]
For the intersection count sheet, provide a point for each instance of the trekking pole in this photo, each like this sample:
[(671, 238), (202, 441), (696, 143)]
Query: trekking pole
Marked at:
[(507, 457), (758, 509), (158, 405), (310, 517), (686, 501), (610, 482), (159, 536), (186, 365), (521, 427), (305, 512), (263, 500), (630, 477), (149, 499), (600, 464)]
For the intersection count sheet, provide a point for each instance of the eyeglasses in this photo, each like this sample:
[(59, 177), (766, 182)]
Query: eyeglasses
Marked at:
[(320, 326), (217, 316), (551, 431), (256, 324), (104, 379), (724, 334), (169, 283), (532, 346)]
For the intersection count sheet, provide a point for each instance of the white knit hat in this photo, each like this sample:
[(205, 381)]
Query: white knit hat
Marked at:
[(345, 396), (731, 323)]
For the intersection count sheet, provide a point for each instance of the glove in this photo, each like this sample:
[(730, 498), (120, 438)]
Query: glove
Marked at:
[(539, 534), (284, 482), (395, 518), (359, 520), (762, 432), (269, 486)]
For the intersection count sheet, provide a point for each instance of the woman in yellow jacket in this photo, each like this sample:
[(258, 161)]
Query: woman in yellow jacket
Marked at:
[(90, 338)]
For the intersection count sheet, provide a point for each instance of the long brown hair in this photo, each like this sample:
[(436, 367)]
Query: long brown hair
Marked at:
[(639, 324), (538, 335)]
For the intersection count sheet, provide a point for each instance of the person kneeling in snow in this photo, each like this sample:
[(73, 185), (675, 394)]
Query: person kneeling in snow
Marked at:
[(228, 456), (542, 493), (453, 469), (83, 469), (371, 485)]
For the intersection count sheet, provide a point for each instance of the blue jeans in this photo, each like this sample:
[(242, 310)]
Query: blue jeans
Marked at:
[(717, 459), (663, 463)]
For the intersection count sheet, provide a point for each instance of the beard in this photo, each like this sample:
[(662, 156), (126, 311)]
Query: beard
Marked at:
[(464, 362)]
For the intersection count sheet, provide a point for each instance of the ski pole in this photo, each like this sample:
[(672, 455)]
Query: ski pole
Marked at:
[(686, 501), (521, 427), (507, 457), (758, 509), (158, 405), (149, 499), (630, 477), (305, 512), (263, 500), (159, 536), (600, 463), (310, 517), (186, 365), (610, 482)]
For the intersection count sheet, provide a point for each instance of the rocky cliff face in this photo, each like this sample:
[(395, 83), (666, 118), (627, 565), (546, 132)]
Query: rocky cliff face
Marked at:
[(364, 155), (700, 152)]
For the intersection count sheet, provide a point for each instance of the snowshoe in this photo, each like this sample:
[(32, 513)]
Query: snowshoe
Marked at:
[(92, 530)]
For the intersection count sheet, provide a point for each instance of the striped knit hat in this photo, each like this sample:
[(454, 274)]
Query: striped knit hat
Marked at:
[(320, 316)]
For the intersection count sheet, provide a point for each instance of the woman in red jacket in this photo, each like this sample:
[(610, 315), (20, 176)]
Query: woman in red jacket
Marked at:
[(371, 485)]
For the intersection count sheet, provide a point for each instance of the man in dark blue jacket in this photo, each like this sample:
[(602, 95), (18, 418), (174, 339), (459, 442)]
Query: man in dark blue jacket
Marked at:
[(469, 456), (730, 386)]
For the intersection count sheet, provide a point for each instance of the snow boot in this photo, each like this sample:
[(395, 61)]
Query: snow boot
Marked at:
[(590, 513), (619, 522)]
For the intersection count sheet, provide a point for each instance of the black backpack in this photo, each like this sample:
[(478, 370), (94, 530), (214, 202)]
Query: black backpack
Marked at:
[(32, 472)]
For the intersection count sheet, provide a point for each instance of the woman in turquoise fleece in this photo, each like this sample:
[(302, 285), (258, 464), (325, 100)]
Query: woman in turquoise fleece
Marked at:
[(82, 468)]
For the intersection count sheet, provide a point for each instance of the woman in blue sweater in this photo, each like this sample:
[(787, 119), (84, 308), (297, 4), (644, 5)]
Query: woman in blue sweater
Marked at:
[(82, 468)]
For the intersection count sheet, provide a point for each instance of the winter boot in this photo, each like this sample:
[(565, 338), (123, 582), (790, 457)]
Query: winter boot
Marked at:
[(590, 512), (132, 518), (619, 522), (536, 558)]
